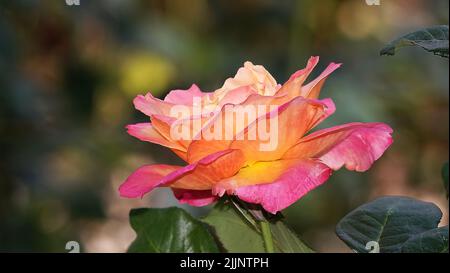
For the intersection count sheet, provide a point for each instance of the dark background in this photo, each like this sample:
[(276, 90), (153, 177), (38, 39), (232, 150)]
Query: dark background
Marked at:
[(68, 75)]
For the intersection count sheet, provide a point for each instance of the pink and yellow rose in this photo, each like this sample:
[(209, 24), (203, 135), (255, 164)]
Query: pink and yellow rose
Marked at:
[(274, 178)]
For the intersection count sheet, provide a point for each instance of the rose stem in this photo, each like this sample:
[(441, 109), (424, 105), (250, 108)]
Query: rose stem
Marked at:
[(267, 236)]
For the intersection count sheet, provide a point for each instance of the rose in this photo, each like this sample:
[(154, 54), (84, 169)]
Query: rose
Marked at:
[(274, 178)]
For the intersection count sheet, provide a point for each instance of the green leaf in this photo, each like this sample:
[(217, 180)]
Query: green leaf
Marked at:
[(431, 241), (433, 39), (169, 230), (445, 176), (286, 240), (388, 221), (239, 232), (234, 232)]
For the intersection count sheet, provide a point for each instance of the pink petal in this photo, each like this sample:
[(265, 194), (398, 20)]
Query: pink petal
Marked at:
[(312, 89), (201, 175), (145, 179), (184, 97), (292, 87), (304, 73), (355, 145), (237, 96), (150, 105), (294, 183), (194, 198)]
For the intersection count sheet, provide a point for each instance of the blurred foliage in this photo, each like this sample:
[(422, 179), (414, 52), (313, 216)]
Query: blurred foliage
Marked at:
[(68, 75), (433, 39)]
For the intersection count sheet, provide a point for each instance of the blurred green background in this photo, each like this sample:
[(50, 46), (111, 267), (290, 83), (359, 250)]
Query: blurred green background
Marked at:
[(68, 75)]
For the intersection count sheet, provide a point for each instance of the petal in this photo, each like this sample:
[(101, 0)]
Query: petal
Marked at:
[(237, 96), (201, 175), (146, 132), (150, 105), (200, 147), (262, 172), (194, 198), (269, 144), (252, 75), (312, 89), (257, 99), (163, 125), (145, 179), (184, 130), (281, 129), (297, 179), (302, 74), (204, 174), (355, 145), (184, 97), (293, 86)]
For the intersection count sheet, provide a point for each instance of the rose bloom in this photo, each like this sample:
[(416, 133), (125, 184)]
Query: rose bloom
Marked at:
[(273, 178)]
